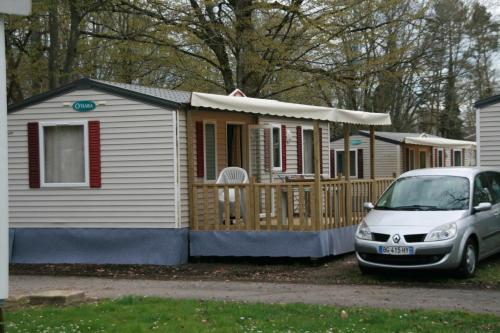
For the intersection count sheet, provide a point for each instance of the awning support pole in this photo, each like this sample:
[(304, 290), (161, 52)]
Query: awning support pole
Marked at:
[(318, 202), (347, 174), (372, 164)]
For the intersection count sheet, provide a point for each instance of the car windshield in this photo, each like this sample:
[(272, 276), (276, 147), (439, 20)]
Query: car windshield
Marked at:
[(426, 193)]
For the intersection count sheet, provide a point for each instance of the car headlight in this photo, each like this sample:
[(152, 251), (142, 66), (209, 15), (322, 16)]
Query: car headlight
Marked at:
[(443, 232), (363, 232)]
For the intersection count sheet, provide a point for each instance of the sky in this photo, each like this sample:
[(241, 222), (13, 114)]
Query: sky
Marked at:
[(494, 8)]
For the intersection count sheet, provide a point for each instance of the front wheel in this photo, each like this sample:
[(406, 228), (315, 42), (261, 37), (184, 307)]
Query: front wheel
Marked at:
[(468, 263)]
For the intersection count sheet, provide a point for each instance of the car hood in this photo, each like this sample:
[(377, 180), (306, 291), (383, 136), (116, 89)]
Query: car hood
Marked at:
[(416, 221)]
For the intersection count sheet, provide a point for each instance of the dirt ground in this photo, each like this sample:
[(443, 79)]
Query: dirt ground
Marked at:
[(390, 297), (333, 270)]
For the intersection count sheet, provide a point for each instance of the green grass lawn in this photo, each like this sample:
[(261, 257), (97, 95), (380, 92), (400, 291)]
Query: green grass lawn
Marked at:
[(135, 315)]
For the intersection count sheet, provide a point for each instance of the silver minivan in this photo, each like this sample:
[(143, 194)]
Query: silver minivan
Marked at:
[(440, 218)]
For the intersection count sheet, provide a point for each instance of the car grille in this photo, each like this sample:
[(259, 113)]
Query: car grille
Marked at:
[(415, 238), (401, 260), (380, 237)]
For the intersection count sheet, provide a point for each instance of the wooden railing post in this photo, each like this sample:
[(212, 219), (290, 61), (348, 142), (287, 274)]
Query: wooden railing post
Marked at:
[(318, 198)]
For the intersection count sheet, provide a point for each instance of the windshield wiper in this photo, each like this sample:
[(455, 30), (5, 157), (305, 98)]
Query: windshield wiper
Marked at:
[(384, 208), (417, 207)]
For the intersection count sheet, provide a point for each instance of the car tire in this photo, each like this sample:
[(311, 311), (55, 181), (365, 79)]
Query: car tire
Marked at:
[(366, 270), (468, 264)]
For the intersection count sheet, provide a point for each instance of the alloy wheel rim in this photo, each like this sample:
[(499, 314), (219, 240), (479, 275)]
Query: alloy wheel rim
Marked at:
[(470, 259)]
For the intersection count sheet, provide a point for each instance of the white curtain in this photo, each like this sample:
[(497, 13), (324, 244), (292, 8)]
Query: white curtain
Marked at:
[(64, 154), (308, 148)]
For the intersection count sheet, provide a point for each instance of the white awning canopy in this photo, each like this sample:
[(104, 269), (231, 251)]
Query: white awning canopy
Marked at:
[(439, 142), (282, 109)]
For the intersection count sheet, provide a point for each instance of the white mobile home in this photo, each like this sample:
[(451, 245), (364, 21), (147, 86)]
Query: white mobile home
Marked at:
[(102, 172), (487, 131), (399, 152)]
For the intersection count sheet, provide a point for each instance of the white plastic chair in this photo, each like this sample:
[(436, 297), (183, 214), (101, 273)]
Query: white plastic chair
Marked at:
[(232, 175)]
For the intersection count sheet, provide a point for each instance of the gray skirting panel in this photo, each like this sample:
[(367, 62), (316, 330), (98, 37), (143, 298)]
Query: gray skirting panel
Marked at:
[(99, 246), (272, 243)]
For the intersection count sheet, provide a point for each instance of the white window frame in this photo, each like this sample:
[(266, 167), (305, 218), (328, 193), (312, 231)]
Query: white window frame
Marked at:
[(443, 159), (461, 157), (213, 122), (278, 126), (355, 150), (41, 140), (411, 153), (306, 128)]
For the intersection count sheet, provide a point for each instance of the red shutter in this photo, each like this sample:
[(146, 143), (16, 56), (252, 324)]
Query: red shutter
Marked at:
[(320, 150), (332, 163), (436, 162), (444, 157), (463, 156), (95, 153), (299, 149), (33, 155), (200, 153), (452, 161), (267, 149), (283, 148), (361, 169)]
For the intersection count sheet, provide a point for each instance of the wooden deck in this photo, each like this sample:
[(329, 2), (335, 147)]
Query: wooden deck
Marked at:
[(290, 206)]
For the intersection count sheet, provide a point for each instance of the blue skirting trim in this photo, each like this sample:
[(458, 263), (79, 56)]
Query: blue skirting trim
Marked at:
[(99, 246), (272, 243)]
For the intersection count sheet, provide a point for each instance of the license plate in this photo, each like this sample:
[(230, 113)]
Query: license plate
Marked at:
[(396, 250)]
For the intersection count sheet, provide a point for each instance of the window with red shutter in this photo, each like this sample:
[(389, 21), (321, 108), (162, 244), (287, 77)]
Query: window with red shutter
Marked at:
[(299, 149), (33, 155), (320, 150), (283, 148), (94, 153), (200, 154)]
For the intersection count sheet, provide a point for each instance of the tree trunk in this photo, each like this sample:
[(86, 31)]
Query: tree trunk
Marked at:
[(74, 36), (54, 44)]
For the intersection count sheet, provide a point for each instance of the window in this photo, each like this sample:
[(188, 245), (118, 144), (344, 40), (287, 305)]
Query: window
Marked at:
[(410, 159), (426, 193), (277, 147), (307, 151), (440, 161), (210, 152), (495, 186), (353, 161), (481, 190), (64, 154), (457, 158), (422, 163)]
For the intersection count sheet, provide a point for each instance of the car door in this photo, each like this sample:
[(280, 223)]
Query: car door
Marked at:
[(486, 219), (495, 225)]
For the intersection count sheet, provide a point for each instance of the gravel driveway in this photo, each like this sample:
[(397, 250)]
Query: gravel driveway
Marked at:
[(485, 301)]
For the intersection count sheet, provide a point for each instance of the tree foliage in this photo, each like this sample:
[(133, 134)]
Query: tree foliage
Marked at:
[(422, 62)]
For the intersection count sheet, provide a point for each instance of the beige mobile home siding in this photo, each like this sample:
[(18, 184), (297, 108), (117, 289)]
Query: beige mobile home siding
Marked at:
[(183, 168), (489, 135), (386, 155), (137, 152)]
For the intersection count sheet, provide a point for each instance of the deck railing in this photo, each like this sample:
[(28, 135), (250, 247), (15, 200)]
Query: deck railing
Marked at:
[(282, 206)]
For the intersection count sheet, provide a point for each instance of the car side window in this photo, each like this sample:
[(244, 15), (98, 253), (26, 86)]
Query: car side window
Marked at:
[(495, 186), (481, 190)]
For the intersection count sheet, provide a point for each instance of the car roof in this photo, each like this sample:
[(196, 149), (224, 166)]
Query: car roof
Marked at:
[(468, 172)]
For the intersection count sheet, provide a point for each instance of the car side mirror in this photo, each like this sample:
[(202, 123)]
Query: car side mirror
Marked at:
[(483, 206), (368, 206)]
